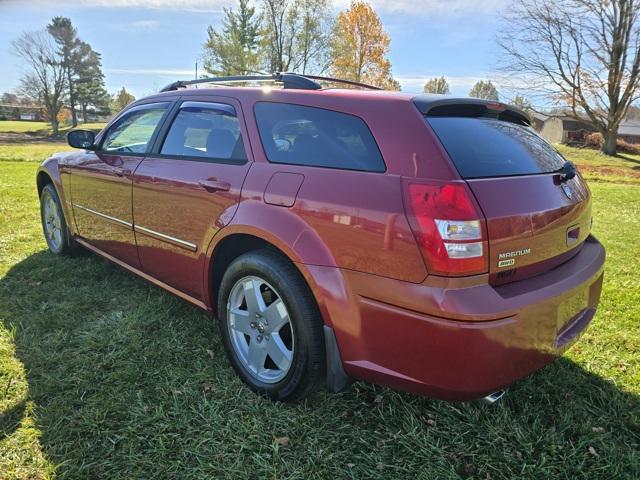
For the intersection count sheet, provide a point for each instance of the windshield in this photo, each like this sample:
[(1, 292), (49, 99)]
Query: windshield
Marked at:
[(483, 147)]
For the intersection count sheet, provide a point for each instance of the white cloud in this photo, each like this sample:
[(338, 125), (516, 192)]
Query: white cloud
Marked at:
[(151, 71), (429, 7), (415, 83), (145, 24), (414, 7), (189, 5)]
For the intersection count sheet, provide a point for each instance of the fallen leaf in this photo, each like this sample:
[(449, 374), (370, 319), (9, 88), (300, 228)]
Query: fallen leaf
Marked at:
[(593, 452), (351, 465), (598, 429), (281, 441), (207, 387), (378, 399), (210, 353), (431, 422)]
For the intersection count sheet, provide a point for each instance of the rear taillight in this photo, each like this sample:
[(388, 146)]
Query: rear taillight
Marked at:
[(448, 226)]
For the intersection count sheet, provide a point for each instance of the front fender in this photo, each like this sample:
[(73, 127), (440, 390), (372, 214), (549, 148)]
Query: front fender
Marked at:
[(49, 172)]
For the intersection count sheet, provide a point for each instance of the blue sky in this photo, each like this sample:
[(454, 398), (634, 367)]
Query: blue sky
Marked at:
[(146, 44)]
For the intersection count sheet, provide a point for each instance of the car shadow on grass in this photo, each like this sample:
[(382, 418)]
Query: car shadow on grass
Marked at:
[(131, 382)]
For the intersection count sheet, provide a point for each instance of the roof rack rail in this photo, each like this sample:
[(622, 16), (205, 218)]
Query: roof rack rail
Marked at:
[(288, 80), (347, 82)]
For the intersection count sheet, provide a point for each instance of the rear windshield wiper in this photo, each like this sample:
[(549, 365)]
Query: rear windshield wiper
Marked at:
[(567, 171)]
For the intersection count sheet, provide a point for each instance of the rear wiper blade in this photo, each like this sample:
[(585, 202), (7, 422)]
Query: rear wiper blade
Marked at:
[(567, 171)]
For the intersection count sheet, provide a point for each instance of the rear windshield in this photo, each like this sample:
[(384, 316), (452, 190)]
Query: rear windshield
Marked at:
[(487, 147)]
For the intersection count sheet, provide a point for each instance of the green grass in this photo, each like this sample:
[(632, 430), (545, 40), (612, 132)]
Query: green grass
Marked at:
[(30, 142), (31, 152), (20, 126), (104, 376), (596, 167)]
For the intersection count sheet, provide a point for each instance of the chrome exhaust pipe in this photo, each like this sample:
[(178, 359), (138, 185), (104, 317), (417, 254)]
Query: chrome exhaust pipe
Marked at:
[(494, 397)]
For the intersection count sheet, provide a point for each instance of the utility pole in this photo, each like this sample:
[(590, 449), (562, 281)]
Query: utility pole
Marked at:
[(196, 77)]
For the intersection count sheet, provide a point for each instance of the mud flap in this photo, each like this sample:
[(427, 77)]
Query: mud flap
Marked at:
[(337, 379)]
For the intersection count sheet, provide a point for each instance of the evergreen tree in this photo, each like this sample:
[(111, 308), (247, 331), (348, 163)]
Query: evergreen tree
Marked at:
[(233, 50), (120, 100), (485, 90), (91, 91), (437, 85)]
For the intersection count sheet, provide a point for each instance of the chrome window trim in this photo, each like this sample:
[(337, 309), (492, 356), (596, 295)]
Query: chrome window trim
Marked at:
[(115, 220)]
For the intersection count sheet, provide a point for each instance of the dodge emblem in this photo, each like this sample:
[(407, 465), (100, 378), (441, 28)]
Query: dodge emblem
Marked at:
[(567, 190)]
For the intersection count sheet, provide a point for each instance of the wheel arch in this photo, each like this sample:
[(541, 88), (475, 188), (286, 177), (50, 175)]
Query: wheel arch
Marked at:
[(43, 178), (49, 173), (233, 242), (237, 242)]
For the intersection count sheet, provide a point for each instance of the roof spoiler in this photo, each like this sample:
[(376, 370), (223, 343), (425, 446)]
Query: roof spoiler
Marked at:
[(442, 106)]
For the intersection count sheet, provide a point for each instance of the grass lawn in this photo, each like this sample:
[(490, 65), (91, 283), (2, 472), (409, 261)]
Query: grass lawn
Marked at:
[(104, 376), (20, 126), (594, 166), (31, 142), (31, 152)]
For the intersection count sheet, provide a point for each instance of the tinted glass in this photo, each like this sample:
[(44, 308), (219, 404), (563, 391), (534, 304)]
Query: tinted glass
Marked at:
[(486, 147), (132, 132), (299, 135), (205, 131)]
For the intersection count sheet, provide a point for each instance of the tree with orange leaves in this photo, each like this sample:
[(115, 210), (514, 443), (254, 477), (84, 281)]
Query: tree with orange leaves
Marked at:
[(360, 47)]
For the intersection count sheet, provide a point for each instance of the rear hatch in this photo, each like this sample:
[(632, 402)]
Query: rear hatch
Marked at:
[(536, 217)]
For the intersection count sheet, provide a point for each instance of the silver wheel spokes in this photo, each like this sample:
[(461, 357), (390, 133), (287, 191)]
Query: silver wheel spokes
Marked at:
[(260, 329), (52, 222)]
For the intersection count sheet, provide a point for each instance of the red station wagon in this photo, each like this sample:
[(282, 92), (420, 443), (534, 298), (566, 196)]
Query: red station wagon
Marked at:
[(433, 244)]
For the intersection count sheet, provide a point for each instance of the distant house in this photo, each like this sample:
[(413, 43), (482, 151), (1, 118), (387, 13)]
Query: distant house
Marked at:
[(630, 132), (21, 112), (565, 129)]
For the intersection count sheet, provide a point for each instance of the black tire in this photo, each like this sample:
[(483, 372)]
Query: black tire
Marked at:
[(307, 368), (65, 244)]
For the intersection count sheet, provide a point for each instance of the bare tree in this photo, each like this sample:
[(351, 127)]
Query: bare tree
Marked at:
[(45, 81), (296, 35), (585, 54)]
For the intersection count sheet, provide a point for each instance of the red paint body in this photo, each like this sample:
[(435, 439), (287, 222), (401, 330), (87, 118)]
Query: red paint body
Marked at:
[(349, 235)]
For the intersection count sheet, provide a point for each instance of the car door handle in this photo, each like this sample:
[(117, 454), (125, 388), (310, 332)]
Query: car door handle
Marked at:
[(120, 172), (214, 185)]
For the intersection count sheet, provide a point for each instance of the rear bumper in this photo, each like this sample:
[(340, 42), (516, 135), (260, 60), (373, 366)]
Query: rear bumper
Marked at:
[(458, 339)]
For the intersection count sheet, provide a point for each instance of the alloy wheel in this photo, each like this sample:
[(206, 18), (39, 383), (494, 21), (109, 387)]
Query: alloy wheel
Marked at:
[(52, 222), (260, 329)]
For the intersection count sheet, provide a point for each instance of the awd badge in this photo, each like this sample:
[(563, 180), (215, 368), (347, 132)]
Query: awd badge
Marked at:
[(508, 259)]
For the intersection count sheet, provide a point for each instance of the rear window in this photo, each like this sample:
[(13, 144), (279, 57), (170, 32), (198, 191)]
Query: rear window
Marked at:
[(487, 147), (205, 130), (299, 135)]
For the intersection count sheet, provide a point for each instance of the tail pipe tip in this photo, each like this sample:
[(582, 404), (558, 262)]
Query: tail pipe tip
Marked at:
[(494, 397)]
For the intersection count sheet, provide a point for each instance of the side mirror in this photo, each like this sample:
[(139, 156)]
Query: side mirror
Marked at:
[(81, 139)]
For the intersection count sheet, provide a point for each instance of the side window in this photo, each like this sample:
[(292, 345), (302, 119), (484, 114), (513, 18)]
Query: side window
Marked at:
[(133, 131), (205, 130), (299, 135)]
